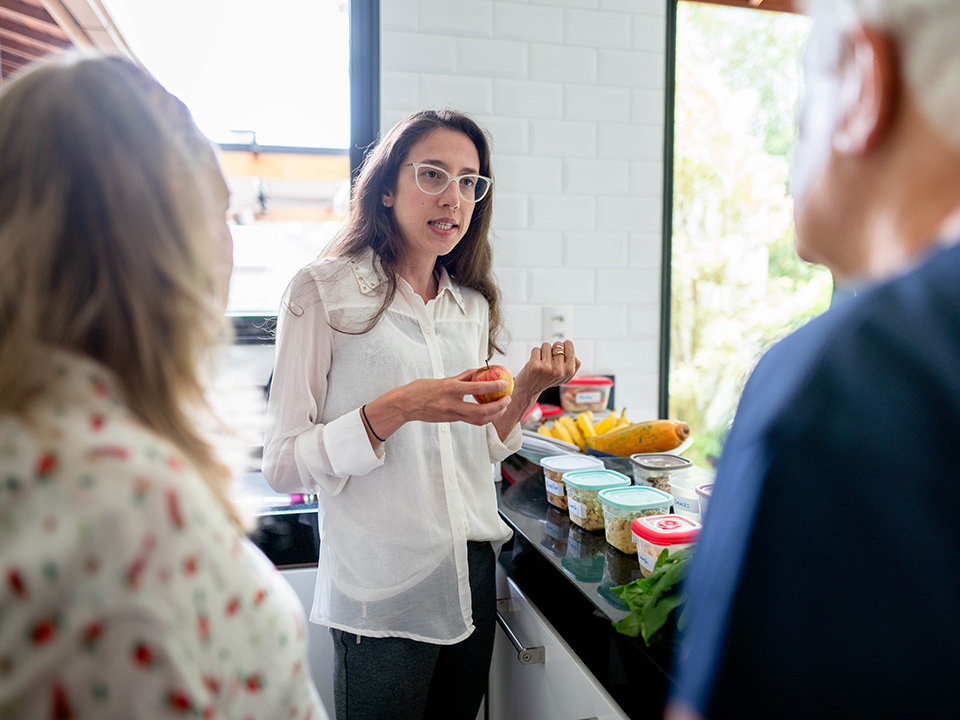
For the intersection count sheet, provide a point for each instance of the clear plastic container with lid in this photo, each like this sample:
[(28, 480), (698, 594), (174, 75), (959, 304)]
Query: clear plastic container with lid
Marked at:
[(704, 492), (656, 533), (554, 467), (621, 506), (655, 469), (588, 393), (582, 490)]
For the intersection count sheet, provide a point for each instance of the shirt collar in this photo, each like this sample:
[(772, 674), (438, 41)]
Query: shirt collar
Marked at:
[(447, 285), (369, 275)]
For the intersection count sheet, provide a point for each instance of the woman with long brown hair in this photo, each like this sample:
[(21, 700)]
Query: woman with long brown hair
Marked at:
[(377, 346)]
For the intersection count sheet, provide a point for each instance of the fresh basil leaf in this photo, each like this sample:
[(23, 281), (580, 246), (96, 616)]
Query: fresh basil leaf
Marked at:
[(630, 625), (654, 615)]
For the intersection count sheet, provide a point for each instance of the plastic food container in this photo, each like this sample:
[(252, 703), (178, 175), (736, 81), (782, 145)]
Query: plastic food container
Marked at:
[(586, 555), (686, 502), (554, 467), (658, 532), (621, 506), (704, 492), (586, 393), (583, 487), (655, 469)]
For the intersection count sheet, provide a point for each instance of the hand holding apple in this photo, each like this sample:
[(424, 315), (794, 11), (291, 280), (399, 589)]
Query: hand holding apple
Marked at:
[(493, 372)]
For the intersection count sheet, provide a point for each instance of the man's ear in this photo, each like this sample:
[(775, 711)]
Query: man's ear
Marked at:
[(869, 92)]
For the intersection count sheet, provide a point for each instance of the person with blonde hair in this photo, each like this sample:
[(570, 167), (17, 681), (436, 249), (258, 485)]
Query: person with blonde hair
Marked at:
[(128, 588), (371, 408)]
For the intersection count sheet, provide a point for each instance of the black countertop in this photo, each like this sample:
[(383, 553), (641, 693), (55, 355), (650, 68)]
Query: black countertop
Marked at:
[(567, 572)]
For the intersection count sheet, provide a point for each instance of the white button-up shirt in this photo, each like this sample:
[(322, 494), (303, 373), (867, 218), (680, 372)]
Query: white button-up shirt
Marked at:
[(394, 523)]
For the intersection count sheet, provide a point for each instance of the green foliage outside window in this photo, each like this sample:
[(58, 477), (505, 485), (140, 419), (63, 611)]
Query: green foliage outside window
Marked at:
[(737, 283)]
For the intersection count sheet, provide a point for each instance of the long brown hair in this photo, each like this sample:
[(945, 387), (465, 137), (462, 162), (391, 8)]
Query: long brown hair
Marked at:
[(370, 225), (108, 223)]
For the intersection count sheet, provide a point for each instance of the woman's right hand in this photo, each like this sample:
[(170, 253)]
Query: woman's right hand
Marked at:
[(429, 400)]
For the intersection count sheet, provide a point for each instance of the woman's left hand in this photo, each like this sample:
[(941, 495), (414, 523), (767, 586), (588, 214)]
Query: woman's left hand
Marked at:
[(549, 365)]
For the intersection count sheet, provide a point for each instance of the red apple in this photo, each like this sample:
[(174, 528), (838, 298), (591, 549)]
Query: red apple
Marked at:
[(493, 372)]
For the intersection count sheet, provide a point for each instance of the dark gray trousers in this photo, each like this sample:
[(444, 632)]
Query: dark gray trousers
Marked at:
[(402, 679)]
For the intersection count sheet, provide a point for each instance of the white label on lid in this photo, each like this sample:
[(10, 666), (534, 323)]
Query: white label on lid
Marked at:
[(577, 508), (554, 487), (588, 396)]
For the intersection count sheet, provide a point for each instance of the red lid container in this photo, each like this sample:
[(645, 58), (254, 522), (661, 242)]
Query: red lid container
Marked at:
[(591, 380), (666, 529)]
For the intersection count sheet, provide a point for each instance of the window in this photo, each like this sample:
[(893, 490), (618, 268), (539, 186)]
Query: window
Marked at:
[(736, 282), (274, 85), (289, 90)]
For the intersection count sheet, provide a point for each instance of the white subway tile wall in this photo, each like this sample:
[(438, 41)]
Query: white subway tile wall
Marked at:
[(572, 94)]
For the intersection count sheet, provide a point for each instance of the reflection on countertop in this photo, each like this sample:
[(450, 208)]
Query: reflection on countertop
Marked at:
[(591, 564), (567, 573)]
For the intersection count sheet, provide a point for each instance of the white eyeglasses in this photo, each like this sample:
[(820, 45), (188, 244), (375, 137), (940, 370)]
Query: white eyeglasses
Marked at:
[(434, 180)]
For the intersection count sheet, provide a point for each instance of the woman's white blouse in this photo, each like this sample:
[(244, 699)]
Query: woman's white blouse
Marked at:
[(394, 525)]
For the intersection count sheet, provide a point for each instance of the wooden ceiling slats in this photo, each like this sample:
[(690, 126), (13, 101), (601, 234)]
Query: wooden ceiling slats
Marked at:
[(26, 10), (15, 30), (9, 46)]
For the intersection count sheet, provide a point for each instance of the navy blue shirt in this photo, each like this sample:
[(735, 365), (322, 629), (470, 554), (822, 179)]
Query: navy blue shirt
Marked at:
[(826, 582)]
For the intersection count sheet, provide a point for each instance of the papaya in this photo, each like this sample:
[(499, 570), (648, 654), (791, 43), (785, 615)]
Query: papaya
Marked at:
[(652, 436)]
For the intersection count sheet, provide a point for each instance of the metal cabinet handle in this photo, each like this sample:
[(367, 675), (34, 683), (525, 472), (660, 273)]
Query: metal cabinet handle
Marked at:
[(526, 655)]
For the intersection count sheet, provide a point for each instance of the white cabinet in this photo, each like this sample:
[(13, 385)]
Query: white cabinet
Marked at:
[(559, 688), (319, 642)]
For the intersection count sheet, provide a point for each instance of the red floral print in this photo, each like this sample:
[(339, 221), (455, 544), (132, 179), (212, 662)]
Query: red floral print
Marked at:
[(179, 702), (143, 655), (16, 583), (233, 605), (203, 628), (116, 452), (60, 706), (47, 464), (91, 634), (173, 509), (44, 631)]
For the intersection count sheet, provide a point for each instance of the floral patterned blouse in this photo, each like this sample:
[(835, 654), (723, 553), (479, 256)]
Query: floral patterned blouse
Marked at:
[(125, 590)]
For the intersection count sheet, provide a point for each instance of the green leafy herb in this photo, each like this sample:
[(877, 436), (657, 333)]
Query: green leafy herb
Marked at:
[(653, 599)]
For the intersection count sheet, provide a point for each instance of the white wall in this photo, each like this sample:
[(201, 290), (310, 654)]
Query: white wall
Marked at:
[(572, 92)]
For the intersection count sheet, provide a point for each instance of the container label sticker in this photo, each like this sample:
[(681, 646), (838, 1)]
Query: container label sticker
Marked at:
[(588, 396), (554, 487), (577, 508)]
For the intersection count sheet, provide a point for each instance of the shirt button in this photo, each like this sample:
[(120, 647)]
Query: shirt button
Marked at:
[(427, 330), (444, 427)]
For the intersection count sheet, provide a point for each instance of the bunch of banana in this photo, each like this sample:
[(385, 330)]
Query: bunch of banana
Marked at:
[(576, 430)]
